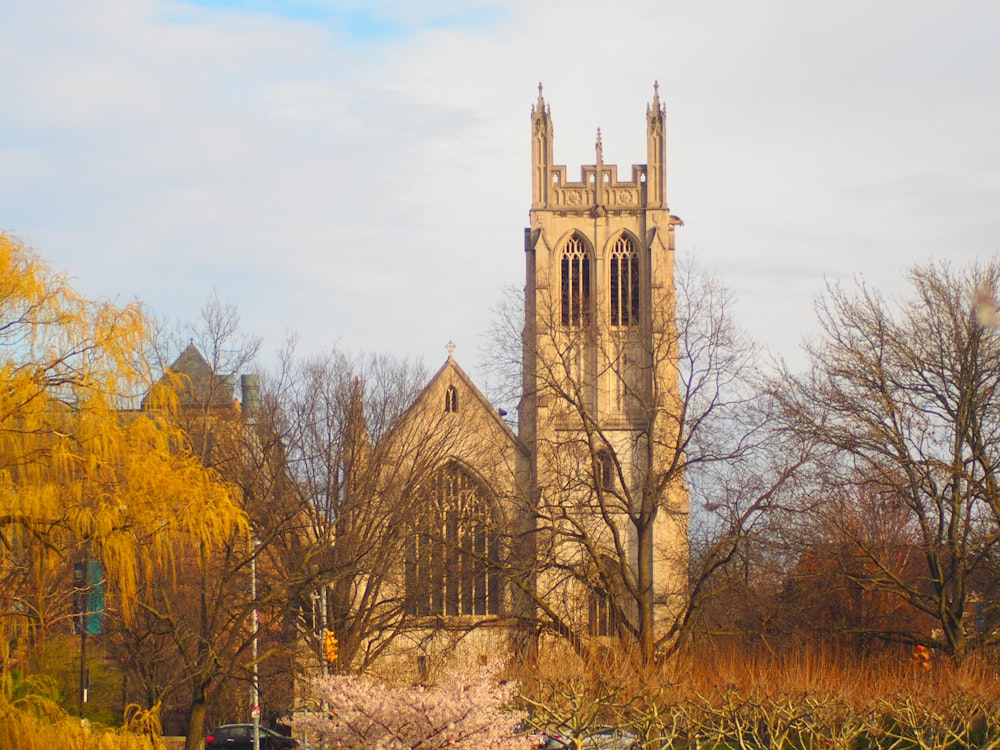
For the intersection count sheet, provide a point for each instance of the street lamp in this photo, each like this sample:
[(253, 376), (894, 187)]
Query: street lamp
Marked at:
[(255, 711)]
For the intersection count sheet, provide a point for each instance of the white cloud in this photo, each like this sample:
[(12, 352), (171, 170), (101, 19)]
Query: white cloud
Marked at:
[(358, 172)]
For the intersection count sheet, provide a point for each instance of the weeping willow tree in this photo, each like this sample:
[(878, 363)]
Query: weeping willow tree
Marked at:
[(85, 473)]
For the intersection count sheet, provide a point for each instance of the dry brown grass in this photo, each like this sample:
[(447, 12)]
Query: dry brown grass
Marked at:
[(812, 669), (802, 697)]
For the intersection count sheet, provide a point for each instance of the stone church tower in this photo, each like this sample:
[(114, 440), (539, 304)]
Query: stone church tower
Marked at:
[(600, 394)]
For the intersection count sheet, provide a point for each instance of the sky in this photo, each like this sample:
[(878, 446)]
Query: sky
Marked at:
[(357, 173)]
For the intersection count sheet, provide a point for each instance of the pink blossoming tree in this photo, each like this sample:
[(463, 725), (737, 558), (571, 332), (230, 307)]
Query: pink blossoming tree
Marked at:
[(464, 712)]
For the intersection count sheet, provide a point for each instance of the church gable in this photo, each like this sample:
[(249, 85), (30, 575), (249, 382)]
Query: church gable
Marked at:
[(466, 465), (461, 420)]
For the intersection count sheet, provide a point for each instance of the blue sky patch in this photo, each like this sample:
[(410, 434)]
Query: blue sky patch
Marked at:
[(365, 22)]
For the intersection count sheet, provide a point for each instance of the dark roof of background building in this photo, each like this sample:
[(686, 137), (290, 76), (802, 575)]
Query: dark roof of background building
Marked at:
[(199, 385)]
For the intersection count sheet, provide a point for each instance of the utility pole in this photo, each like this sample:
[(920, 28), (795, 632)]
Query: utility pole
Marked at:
[(82, 596), (84, 676), (323, 622), (88, 615), (250, 391), (255, 711)]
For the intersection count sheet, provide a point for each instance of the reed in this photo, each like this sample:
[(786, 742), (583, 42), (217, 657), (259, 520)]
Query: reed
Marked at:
[(802, 697)]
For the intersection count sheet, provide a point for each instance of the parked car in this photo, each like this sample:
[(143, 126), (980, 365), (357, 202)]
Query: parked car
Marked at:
[(595, 738), (240, 737), (536, 738)]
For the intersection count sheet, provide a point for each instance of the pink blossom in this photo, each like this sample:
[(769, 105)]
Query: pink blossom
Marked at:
[(464, 712)]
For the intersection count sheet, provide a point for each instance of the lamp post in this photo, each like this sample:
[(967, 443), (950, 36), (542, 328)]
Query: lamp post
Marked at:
[(80, 593), (255, 711), (250, 390)]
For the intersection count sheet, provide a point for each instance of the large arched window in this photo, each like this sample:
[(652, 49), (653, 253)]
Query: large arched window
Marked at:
[(624, 283), (575, 274), (451, 556)]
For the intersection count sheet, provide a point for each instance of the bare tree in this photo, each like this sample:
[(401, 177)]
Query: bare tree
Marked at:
[(335, 412), (903, 399), (630, 421)]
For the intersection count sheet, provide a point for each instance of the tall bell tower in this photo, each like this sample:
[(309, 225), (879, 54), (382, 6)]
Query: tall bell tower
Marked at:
[(600, 379)]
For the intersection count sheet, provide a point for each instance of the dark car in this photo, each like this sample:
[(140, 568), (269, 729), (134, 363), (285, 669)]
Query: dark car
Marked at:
[(240, 737)]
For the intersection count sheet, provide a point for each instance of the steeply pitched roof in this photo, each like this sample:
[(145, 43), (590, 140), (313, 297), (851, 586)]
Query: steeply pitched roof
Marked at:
[(199, 386)]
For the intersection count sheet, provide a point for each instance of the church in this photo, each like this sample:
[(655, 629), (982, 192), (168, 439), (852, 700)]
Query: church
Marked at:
[(457, 539), (572, 531)]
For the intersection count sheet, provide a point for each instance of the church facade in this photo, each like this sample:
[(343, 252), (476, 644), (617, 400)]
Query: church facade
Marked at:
[(574, 529)]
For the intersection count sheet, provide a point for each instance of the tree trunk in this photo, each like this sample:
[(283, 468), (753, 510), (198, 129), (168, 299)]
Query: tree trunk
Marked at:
[(644, 602), (196, 720)]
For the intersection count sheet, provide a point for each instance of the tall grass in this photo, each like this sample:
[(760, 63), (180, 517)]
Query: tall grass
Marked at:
[(818, 670), (802, 697)]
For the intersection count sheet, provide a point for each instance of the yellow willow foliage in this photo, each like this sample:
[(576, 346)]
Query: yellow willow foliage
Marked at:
[(82, 469), (31, 719)]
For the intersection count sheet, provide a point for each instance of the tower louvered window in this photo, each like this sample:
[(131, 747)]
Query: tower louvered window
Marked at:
[(601, 617), (608, 472), (451, 559), (575, 273), (624, 283), (606, 600)]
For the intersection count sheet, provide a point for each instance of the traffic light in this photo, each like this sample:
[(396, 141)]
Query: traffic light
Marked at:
[(330, 646)]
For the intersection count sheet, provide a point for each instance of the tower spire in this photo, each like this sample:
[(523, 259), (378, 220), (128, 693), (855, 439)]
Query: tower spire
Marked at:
[(599, 187), (656, 152), (541, 150)]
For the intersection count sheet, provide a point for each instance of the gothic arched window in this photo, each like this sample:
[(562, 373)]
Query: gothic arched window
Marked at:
[(624, 283), (575, 275), (451, 556)]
